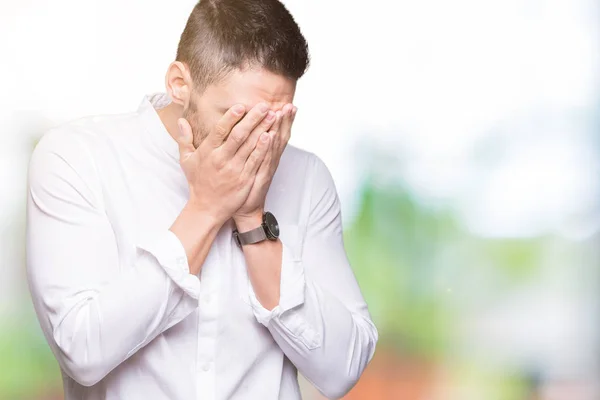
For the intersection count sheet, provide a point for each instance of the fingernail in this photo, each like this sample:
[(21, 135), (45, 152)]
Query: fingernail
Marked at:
[(270, 116), (294, 111), (239, 109), (264, 137), (263, 108), (180, 125)]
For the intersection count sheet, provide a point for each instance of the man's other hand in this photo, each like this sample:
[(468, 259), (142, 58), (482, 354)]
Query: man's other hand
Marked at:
[(250, 213)]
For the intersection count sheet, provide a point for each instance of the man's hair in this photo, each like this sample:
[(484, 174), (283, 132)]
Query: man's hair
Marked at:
[(223, 35)]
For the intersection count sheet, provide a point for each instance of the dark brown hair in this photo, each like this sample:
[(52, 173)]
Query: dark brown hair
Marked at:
[(223, 35)]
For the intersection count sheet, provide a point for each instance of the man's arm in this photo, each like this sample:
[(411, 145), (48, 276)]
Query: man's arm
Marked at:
[(314, 310), (95, 311)]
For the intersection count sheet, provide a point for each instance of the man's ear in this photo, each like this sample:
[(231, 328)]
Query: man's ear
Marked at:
[(178, 82)]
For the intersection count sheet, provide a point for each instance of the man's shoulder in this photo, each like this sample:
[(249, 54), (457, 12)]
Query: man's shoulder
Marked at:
[(302, 162), (78, 143), (86, 129), (83, 134), (302, 170), (301, 181), (296, 164), (293, 154)]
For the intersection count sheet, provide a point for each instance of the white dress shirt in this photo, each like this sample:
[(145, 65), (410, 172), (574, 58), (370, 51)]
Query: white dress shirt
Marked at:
[(116, 301)]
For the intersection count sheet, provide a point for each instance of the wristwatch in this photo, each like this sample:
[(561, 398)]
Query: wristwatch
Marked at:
[(269, 229)]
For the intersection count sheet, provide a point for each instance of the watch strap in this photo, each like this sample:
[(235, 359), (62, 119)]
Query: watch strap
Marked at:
[(254, 236)]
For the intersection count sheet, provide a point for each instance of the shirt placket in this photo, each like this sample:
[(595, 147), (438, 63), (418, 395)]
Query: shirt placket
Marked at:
[(208, 327)]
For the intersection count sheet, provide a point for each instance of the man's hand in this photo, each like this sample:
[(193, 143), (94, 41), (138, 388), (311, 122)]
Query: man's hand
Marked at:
[(222, 170), (250, 213)]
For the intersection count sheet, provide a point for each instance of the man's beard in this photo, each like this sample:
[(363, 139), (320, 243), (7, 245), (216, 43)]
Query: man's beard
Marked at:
[(199, 131)]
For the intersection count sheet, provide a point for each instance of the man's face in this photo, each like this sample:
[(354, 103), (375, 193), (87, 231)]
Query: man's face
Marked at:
[(248, 87)]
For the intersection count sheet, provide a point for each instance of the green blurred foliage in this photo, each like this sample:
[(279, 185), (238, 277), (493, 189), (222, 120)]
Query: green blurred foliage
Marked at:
[(28, 369), (411, 257), (391, 246), (517, 258)]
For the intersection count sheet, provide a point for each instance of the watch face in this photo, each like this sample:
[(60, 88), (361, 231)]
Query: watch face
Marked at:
[(271, 225)]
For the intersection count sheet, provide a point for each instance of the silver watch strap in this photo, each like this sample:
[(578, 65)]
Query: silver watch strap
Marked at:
[(254, 236)]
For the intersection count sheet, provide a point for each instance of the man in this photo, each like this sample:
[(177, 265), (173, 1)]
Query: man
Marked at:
[(184, 251)]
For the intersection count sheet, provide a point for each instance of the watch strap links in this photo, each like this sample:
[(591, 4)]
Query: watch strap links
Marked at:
[(254, 236)]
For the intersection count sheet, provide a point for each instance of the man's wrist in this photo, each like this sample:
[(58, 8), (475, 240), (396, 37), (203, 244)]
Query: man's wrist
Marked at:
[(202, 217), (196, 229), (199, 210), (245, 223)]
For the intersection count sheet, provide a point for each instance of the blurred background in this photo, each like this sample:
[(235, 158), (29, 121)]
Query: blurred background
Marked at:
[(464, 139)]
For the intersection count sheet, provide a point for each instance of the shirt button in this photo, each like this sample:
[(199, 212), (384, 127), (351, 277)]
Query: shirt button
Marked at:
[(207, 298), (206, 367)]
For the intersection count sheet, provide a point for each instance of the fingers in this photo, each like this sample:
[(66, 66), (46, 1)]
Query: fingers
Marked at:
[(244, 128), (286, 123), (225, 125), (276, 127), (250, 143), (281, 135), (257, 156), (185, 139), (265, 167)]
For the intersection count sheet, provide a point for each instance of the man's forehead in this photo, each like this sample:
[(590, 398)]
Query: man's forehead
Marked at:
[(252, 87)]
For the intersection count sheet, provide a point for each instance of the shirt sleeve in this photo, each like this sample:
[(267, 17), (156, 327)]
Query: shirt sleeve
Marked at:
[(95, 310), (322, 323)]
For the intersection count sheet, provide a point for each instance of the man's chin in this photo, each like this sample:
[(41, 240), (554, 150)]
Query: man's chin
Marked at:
[(198, 138)]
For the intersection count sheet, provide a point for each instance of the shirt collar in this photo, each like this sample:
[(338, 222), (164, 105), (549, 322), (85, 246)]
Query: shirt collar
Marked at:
[(153, 124)]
